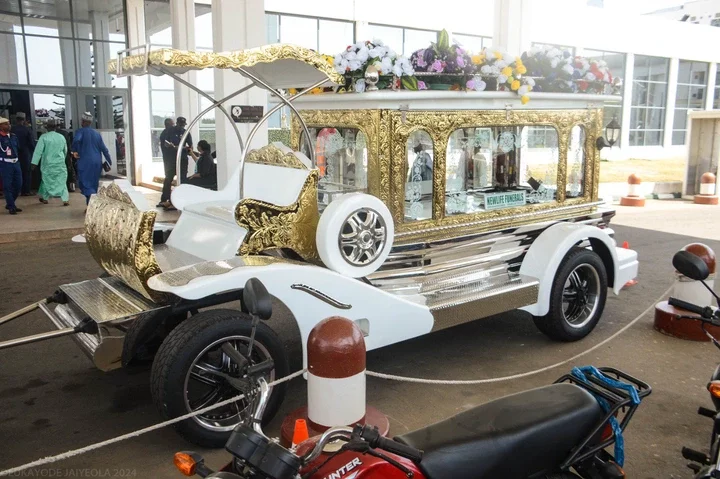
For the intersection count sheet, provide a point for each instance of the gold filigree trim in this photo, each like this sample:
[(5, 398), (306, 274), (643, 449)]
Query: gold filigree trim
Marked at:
[(270, 226), (272, 155), (190, 60), (120, 239)]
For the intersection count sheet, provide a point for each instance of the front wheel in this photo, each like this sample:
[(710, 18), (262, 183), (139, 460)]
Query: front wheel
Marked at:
[(577, 297), (190, 372)]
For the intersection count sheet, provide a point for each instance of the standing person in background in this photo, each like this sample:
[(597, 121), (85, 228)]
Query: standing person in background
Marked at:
[(87, 147), (52, 150), (168, 156), (26, 144), (9, 166), (69, 157), (173, 142)]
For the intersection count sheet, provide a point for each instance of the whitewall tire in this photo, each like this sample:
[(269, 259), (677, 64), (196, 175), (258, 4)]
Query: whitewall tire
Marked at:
[(355, 235)]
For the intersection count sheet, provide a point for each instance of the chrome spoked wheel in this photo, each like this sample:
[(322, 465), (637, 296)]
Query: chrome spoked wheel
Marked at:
[(581, 293), (363, 237), (213, 377)]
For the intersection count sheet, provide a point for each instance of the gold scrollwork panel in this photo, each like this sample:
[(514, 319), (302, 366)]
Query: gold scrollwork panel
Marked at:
[(368, 122), (120, 239)]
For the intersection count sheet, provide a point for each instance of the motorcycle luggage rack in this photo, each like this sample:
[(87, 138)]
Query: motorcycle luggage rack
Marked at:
[(617, 400)]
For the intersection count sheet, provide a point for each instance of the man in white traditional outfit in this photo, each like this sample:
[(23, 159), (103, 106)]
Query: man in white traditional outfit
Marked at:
[(52, 150)]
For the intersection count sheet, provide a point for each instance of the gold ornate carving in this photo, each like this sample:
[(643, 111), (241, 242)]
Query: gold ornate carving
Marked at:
[(272, 155), (368, 122), (189, 60), (120, 239), (269, 226)]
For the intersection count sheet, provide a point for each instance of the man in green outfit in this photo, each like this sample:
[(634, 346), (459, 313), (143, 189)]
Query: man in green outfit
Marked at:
[(52, 148)]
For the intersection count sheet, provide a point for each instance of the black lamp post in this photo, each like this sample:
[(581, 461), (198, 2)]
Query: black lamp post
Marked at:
[(612, 134)]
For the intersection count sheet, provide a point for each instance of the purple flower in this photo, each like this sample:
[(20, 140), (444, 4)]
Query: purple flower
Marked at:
[(422, 85), (470, 85), (460, 61), (436, 66), (460, 51), (420, 58)]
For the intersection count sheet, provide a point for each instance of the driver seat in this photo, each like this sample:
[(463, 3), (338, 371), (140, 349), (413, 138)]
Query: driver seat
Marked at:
[(512, 437)]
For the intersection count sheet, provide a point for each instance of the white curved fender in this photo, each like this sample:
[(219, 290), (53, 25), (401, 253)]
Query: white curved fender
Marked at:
[(548, 250), (388, 318)]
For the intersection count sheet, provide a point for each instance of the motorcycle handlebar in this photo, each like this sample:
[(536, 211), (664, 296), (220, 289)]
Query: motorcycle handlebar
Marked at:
[(679, 303), (373, 437)]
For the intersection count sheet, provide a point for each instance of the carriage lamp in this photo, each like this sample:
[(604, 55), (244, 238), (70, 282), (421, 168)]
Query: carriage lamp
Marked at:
[(612, 133)]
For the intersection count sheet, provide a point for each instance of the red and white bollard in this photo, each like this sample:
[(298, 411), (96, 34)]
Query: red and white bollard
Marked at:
[(633, 198), (707, 194), (686, 289), (335, 381)]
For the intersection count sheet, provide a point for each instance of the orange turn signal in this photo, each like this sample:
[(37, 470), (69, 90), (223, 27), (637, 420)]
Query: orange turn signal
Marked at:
[(185, 463), (714, 388)]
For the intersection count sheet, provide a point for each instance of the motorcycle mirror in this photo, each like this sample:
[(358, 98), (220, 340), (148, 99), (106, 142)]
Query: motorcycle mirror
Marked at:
[(690, 265), (256, 299)]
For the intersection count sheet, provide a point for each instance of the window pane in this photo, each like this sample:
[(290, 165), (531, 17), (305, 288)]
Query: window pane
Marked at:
[(417, 39), (335, 36), (273, 28), (13, 70), (678, 137), (208, 120), (158, 24), (680, 119), (205, 79), (51, 61), (203, 27), (51, 106), (10, 23), (48, 18), (391, 36), (299, 31), (209, 136), (117, 82), (655, 118), (649, 90), (469, 42), (653, 138), (92, 58), (499, 167), (656, 94), (419, 186), (682, 96), (576, 163), (161, 82), (9, 6), (163, 106)]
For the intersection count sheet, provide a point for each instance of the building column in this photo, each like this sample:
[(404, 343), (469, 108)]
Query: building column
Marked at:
[(710, 95), (670, 103), (182, 13), (511, 31), (627, 101), (140, 141), (237, 25), (9, 73)]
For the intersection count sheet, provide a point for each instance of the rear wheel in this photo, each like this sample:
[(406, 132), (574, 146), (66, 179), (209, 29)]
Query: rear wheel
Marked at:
[(577, 297), (190, 373), (562, 475)]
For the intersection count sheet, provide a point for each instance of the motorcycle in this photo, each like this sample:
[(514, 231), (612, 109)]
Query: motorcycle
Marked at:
[(542, 433), (704, 465)]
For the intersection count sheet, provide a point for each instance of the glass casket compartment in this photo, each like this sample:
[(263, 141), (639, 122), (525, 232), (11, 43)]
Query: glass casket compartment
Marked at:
[(341, 155)]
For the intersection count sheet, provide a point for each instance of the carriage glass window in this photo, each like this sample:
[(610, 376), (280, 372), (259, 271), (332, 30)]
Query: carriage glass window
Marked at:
[(492, 168), (341, 155), (419, 184), (576, 163)]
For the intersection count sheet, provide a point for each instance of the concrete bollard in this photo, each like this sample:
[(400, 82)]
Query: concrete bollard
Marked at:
[(335, 381), (633, 198), (693, 292), (707, 194)]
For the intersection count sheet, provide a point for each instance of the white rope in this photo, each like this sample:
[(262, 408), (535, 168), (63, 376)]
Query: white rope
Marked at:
[(525, 374), (92, 447)]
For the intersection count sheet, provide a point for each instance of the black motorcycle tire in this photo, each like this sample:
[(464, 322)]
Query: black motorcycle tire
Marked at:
[(183, 345), (554, 324), (562, 475)]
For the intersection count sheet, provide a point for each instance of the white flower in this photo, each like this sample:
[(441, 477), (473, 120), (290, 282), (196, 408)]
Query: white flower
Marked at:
[(590, 76), (502, 79), (480, 85), (523, 90), (486, 70), (501, 64), (494, 70), (554, 63), (530, 81), (397, 69), (391, 53), (363, 54), (378, 52), (378, 42), (360, 85), (359, 45), (407, 67), (350, 56), (340, 69), (568, 69), (386, 65)]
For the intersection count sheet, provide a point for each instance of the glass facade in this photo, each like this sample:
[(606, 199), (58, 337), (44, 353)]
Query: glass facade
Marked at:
[(691, 90), (616, 64), (649, 99)]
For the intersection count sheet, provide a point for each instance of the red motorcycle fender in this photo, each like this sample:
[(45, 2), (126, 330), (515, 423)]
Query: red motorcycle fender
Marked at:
[(353, 465)]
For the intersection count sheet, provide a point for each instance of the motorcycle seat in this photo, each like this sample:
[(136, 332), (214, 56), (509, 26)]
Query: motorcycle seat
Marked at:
[(512, 437)]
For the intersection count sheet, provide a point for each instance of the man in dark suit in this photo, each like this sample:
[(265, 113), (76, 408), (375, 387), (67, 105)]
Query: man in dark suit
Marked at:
[(26, 145)]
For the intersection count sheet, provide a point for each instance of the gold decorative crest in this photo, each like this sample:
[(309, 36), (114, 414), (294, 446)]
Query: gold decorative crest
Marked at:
[(120, 239), (272, 155), (270, 226)]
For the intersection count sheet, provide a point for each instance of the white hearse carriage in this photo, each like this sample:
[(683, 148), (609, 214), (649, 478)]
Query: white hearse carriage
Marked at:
[(404, 211)]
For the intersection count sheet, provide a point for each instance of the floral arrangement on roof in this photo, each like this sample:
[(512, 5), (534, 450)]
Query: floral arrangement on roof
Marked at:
[(355, 61), (441, 60)]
